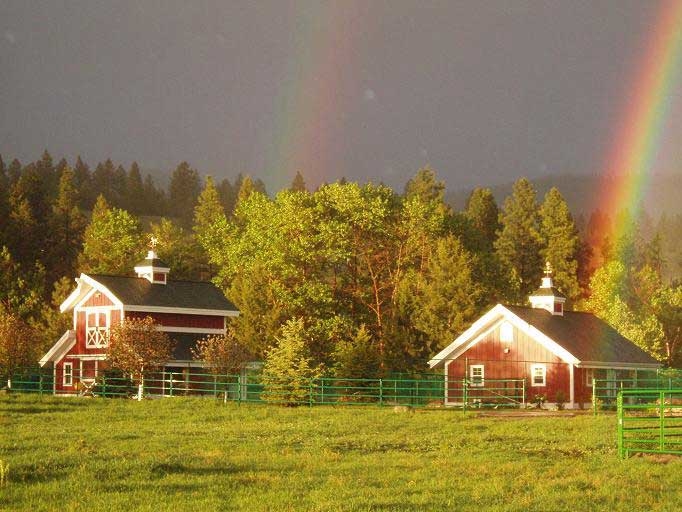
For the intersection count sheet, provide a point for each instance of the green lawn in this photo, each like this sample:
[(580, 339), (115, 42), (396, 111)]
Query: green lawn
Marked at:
[(199, 454)]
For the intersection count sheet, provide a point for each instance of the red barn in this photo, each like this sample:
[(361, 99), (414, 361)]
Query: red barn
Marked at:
[(555, 351), (187, 310)]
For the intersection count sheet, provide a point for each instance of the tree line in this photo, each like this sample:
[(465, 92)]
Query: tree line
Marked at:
[(352, 278)]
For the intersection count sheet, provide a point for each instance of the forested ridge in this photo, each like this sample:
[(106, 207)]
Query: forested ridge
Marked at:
[(362, 280)]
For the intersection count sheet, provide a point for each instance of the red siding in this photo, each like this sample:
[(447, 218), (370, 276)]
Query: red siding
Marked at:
[(523, 352), (98, 299), (180, 320)]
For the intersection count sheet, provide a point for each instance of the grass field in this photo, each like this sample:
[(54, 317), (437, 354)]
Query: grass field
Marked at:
[(202, 455)]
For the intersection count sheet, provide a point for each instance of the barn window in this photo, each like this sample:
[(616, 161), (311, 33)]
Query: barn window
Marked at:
[(589, 375), (506, 332), (538, 373), (67, 378), (97, 329), (476, 374)]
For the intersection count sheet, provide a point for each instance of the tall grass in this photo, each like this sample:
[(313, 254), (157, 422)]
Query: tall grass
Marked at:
[(196, 454)]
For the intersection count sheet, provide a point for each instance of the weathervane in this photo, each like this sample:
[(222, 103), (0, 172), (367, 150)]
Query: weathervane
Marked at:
[(153, 242), (548, 269)]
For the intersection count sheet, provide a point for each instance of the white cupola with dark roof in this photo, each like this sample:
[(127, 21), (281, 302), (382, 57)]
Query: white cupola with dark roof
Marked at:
[(152, 268), (547, 297)]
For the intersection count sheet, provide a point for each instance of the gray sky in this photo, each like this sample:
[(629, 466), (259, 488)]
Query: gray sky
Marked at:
[(483, 91)]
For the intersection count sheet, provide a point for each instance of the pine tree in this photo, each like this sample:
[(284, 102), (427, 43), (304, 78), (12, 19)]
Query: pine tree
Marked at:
[(207, 210), (184, 189), (357, 358), (519, 243), (560, 243), (425, 186), (246, 188), (483, 213), (83, 184), (288, 368), (135, 197), (228, 196), (298, 183), (67, 225)]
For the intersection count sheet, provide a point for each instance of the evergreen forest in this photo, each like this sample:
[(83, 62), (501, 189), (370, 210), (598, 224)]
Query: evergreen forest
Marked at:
[(359, 279)]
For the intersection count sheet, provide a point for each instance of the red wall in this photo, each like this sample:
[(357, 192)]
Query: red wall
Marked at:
[(179, 320), (98, 299), (516, 364)]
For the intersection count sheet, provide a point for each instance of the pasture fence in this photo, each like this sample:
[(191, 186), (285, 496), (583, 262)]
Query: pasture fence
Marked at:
[(605, 391), (420, 390), (649, 421)]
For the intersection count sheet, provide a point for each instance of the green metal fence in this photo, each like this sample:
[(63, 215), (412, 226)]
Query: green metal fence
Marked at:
[(649, 421), (415, 390), (605, 391)]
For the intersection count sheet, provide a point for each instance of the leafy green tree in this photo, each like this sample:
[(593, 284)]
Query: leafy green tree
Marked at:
[(222, 354), (17, 345), (560, 243), (137, 346), (21, 289), (112, 242), (519, 243), (288, 368), (612, 299), (246, 188), (180, 250), (184, 189), (52, 322)]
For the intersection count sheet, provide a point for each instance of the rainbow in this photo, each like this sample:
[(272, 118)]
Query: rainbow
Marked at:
[(637, 138), (309, 110)]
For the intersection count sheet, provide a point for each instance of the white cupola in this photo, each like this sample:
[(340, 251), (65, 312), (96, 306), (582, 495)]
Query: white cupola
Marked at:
[(152, 268), (547, 297)]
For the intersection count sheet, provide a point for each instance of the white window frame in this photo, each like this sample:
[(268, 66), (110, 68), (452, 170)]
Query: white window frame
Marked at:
[(543, 369), (97, 336), (477, 380), (67, 375), (589, 377), (506, 332)]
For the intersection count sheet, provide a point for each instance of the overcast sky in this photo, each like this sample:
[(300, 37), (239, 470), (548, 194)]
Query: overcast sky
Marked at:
[(483, 91)]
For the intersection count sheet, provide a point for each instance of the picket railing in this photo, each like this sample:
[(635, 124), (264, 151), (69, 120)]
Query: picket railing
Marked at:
[(649, 421)]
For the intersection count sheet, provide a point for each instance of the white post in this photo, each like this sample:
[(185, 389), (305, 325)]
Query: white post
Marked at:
[(140, 386), (572, 392)]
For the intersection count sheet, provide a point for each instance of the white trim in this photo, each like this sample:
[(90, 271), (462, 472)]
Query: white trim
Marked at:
[(69, 375), (192, 330), (99, 334), (479, 324), (183, 311), (89, 357), (477, 381), (538, 366), (61, 347), (618, 366)]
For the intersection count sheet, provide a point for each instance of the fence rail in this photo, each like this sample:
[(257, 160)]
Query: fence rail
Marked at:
[(416, 391), (605, 391), (649, 421)]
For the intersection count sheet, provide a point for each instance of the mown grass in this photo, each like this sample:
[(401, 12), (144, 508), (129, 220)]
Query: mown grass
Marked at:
[(199, 455)]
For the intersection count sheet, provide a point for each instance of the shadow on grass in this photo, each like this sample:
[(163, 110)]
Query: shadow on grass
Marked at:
[(173, 468), (40, 473)]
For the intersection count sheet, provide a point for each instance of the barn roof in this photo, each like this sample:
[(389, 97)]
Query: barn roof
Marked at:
[(587, 337), (137, 291), (138, 294), (576, 337)]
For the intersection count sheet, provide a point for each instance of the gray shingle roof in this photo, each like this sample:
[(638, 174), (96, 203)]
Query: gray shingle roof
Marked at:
[(137, 291), (548, 292), (587, 337)]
